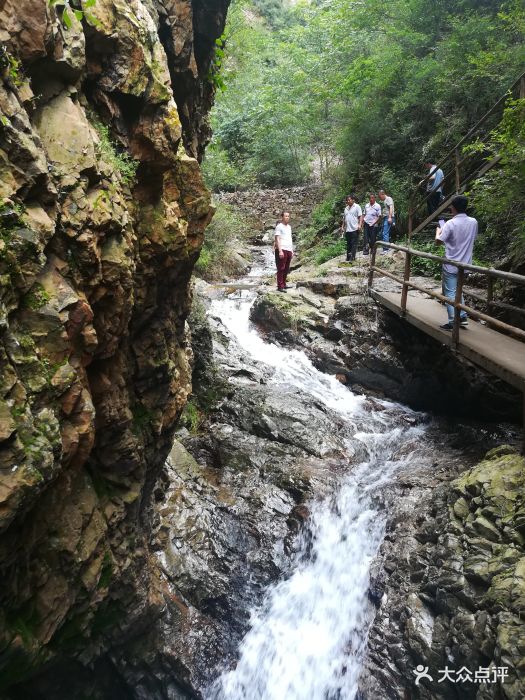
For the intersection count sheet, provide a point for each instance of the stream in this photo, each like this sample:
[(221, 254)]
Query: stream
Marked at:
[(308, 637)]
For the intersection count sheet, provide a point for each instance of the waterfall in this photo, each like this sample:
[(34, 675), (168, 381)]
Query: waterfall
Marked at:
[(307, 639)]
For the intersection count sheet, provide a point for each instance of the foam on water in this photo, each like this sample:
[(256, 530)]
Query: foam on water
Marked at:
[(307, 640)]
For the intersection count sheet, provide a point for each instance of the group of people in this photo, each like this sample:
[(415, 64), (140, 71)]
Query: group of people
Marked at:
[(457, 235), (377, 219)]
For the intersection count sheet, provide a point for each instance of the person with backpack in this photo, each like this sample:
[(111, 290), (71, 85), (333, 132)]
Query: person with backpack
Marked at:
[(283, 250), (351, 225)]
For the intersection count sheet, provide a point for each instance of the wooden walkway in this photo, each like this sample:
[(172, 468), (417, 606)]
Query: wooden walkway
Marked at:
[(490, 349)]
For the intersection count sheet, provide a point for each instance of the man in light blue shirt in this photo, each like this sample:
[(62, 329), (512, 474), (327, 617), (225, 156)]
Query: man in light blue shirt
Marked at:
[(458, 235), (434, 187)]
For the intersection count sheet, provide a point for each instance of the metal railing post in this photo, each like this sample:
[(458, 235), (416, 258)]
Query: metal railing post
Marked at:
[(523, 434), (372, 265), (490, 292), (406, 277)]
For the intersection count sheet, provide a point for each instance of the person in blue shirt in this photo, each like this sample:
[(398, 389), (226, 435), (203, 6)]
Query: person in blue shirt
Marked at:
[(434, 187), (458, 236)]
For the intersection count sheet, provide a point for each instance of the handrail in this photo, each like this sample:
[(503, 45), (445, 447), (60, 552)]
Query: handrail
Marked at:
[(454, 152), (491, 273)]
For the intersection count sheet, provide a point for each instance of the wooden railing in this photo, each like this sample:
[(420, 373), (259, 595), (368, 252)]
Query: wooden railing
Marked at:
[(460, 168), (463, 268)]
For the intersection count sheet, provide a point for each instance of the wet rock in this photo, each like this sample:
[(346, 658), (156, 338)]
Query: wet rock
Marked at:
[(374, 350), (462, 606)]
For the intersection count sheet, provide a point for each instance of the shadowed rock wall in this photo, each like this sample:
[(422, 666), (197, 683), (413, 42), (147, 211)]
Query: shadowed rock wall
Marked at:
[(102, 214)]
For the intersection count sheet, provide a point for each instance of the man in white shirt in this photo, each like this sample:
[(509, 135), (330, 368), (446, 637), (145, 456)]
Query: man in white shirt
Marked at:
[(458, 235), (283, 250), (371, 221), (388, 216), (352, 224)]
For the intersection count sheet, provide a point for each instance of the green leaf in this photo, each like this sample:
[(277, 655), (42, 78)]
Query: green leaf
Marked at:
[(92, 20), (66, 18), (89, 3), (79, 15)]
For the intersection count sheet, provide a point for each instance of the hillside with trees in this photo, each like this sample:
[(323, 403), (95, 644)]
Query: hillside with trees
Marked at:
[(361, 94)]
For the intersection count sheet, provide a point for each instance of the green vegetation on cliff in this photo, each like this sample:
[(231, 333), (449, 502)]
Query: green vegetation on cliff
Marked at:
[(226, 237)]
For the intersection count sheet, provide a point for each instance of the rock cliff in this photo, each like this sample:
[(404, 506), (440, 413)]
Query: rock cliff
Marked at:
[(103, 119), (452, 591)]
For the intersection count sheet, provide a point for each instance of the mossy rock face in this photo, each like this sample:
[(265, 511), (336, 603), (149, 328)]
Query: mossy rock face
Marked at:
[(101, 220), (487, 503), (295, 311), (500, 476)]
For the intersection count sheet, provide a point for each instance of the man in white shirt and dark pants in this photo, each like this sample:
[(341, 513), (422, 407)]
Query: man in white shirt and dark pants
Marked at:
[(283, 250), (352, 224), (458, 235), (371, 220)]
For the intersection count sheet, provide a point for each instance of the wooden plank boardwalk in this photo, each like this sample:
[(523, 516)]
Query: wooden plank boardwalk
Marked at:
[(497, 353)]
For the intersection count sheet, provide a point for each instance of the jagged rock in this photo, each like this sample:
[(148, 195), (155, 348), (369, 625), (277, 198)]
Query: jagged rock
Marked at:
[(66, 135), (294, 311), (479, 624), (331, 317), (264, 207)]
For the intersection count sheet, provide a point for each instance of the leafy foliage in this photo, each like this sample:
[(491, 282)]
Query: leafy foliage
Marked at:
[(68, 11), (227, 233), (121, 162), (496, 198), (424, 266), (329, 251), (363, 93)]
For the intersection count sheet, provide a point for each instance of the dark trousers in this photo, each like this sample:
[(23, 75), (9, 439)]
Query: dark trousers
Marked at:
[(370, 237), (433, 202), (283, 267), (352, 237)]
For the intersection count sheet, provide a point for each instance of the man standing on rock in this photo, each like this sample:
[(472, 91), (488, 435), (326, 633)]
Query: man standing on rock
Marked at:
[(388, 216), (283, 250), (352, 224), (371, 219), (458, 236)]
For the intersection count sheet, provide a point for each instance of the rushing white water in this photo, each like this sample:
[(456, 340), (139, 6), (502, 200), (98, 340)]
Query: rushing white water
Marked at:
[(307, 640)]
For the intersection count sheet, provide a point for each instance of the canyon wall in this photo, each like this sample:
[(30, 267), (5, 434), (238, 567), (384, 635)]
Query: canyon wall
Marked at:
[(103, 120)]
